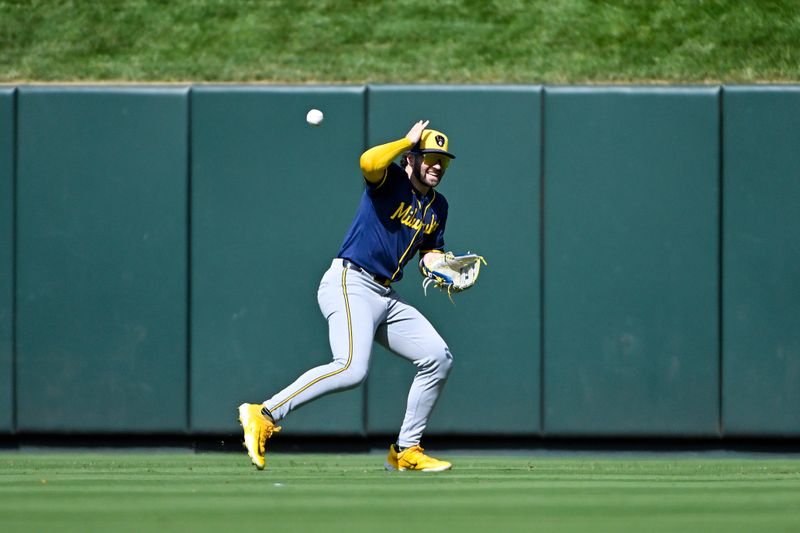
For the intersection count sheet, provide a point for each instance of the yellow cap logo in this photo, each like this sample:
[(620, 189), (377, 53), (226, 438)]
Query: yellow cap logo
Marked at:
[(433, 141)]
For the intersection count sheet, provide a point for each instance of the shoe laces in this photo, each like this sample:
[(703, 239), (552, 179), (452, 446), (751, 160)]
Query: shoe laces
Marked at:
[(414, 450), (265, 432)]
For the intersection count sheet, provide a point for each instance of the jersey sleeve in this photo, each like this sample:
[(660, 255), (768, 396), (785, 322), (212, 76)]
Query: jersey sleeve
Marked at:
[(376, 160)]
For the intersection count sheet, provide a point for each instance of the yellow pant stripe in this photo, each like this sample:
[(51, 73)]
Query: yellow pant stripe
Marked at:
[(349, 348)]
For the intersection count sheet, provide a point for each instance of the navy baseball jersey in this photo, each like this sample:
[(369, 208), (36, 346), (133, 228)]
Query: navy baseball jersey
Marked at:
[(393, 222)]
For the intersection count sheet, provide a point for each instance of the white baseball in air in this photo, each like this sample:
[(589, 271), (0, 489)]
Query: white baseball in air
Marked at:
[(315, 117)]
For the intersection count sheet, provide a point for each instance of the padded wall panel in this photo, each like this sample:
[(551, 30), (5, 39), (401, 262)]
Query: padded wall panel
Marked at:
[(761, 291), (7, 112), (102, 259), (271, 200), (631, 261), (493, 190)]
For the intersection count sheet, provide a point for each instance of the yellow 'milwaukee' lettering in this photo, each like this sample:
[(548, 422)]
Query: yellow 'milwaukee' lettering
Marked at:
[(432, 225), (400, 212), (408, 217)]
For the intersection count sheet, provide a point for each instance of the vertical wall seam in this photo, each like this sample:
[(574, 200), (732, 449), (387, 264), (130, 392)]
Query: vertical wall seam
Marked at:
[(14, 252), (720, 259), (189, 93), (541, 259)]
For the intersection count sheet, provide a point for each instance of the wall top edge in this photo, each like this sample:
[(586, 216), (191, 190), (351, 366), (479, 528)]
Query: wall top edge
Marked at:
[(634, 89), (262, 88), (117, 89), (761, 88), (452, 87), (189, 86)]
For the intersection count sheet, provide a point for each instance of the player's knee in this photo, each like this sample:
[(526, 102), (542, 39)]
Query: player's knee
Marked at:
[(442, 362), (352, 377)]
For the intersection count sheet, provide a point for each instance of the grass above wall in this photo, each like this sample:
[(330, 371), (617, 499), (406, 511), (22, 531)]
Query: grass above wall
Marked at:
[(382, 41)]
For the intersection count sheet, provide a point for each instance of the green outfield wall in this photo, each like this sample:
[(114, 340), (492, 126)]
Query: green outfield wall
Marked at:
[(102, 181), (270, 203), (761, 275), (161, 247), (631, 261), (7, 126), (493, 333)]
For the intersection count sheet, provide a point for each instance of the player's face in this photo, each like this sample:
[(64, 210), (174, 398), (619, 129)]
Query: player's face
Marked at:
[(432, 168)]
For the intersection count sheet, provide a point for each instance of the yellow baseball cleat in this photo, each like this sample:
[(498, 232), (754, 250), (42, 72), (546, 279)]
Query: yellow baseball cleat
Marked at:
[(413, 459), (257, 429)]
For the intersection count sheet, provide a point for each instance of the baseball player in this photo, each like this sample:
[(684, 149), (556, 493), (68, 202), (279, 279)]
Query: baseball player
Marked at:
[(400, 214)]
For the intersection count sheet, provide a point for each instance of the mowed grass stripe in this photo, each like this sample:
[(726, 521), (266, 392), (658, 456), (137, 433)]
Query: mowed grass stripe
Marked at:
[(209, 492)]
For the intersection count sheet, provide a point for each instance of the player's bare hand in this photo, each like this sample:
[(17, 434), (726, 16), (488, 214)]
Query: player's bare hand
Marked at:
[(415, 133)]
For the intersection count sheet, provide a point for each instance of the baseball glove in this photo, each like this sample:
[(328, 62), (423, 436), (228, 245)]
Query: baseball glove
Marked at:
[(450, 272)]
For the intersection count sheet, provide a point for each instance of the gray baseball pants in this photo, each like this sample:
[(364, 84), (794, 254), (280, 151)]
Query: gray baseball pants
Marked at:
[(359, 311)]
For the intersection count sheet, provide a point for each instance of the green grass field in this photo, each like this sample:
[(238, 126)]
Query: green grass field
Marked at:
[(124, 491), (446, 41)]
